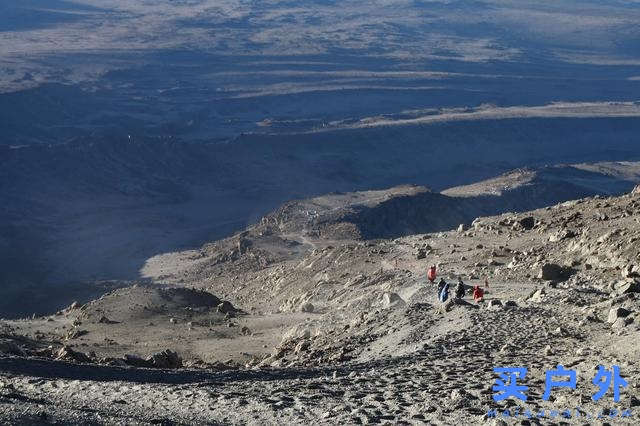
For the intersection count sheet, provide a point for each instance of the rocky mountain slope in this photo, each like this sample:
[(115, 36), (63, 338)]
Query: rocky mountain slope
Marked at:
[(347, 330), (98, 208)]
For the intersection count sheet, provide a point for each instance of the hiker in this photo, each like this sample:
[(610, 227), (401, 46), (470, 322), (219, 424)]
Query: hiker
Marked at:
[(486, 282), (443, 295), (478, 293), (460, 289), (431, 275), (441, 285)]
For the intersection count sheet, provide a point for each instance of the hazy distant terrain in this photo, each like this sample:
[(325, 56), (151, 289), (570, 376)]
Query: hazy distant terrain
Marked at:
[(129, 129), (212, 69)]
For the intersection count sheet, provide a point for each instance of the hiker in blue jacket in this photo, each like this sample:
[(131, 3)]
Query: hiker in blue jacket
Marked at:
[(444, 293)]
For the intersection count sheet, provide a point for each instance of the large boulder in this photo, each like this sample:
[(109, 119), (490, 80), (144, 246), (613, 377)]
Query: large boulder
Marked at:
[(165, 359), (295, 333), (553, 272), (307, 307), (622, 322), (527, 223), (392, 300), (562, 235), (627, 286), (630, 271), (616, 313), (537, 296)]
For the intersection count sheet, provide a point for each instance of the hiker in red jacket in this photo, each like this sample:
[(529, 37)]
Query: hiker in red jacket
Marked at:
[(431, 275), (478, 293)]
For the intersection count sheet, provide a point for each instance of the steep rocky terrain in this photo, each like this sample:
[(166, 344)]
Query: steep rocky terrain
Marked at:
[(330, 329)]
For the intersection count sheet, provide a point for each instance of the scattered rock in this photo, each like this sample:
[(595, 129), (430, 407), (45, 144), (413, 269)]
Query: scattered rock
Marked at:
[(9, 347), (560, 331), (302, 346), (68, 354), (507, 348), (44, 352), (226, 308), (136, 361), (494, 304), (71, 307), (460, 398), (452, 302), (75, 333), (105, 320), (6, 386)]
